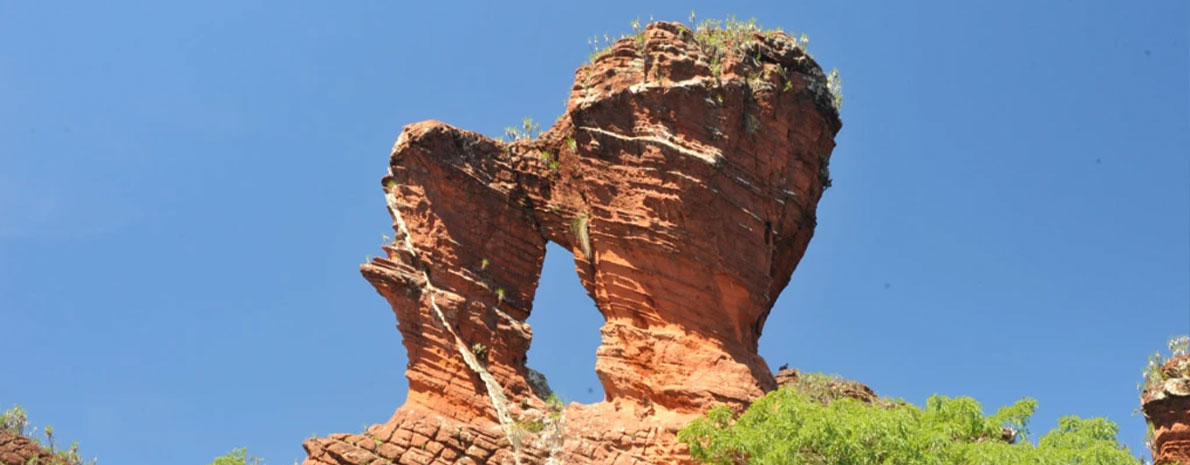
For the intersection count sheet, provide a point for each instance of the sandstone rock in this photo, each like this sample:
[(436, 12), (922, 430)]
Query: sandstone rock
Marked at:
[(786, 376), (20, 450), (1167, 407), (685, 184), (826, 388)]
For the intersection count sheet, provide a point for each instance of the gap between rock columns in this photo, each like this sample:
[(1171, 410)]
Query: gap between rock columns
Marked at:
[(687, 199)]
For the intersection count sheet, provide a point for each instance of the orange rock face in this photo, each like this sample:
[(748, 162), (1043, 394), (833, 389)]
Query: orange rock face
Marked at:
[(1167, 407), (685, 182)]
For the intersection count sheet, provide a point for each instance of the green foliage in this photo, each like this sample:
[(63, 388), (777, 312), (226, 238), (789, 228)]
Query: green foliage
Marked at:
[(571, 144), (796, 426), (532, 426), (550, 161), (237, 457), (555, 406)]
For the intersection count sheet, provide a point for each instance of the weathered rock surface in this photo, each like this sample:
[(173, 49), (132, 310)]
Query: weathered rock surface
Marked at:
[(686, 187), (826, 387), (1167, 407), (20, 450)]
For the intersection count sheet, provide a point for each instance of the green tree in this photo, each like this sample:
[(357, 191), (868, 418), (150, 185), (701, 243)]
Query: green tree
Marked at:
[(792, 426), (237, 457)]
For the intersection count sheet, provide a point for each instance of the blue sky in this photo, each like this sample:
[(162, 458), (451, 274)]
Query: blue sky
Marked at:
[(186, 192)]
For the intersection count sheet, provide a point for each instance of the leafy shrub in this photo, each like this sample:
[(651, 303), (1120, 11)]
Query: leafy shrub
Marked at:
[(237, 457), (793, 426)]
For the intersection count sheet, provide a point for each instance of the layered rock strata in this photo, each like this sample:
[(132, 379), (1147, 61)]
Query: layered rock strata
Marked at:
[(1166, 405), (683, 176), (16, 449)]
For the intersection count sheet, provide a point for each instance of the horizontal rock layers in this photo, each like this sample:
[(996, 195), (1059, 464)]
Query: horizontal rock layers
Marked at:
[(684, 177), (1166, 406)]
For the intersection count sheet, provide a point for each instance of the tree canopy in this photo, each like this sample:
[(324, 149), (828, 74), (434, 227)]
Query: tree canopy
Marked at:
[(796, 425)]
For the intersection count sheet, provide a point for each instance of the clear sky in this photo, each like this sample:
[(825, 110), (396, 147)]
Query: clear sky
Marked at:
[(186, 192)]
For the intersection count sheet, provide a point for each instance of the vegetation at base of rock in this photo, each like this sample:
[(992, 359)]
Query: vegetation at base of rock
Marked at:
[(16, 421), (803, 424), (237, 457)]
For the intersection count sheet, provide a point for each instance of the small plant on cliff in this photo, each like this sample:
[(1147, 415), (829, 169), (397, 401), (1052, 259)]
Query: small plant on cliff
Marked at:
[(571, 144), (531, 426), (789, 426), (550, 161), (834, 84), (555, 406), (824, 172), (579, 226), (480, 351), (528, 130), (598, 47), (14, 420), (1155, 374)]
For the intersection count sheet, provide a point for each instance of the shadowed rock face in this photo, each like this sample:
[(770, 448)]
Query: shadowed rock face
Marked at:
[(687, 195), (1167, 407)]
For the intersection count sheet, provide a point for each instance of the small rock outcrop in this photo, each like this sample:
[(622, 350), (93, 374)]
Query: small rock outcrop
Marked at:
[(1166, 405), (684, 177), (16, 449)]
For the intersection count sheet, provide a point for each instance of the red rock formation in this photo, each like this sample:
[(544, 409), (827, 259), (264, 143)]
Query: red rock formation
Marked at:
[(20, 450), (684, 180), (1166, 405)]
